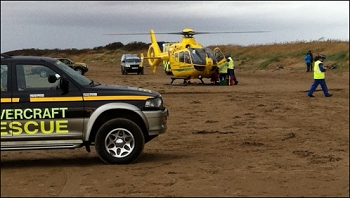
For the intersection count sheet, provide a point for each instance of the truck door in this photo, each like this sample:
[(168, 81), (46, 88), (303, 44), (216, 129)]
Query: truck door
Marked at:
[(44, 111), (6, 102)]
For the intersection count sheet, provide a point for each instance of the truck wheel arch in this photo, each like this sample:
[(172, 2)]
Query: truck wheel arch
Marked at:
[(109, 111)]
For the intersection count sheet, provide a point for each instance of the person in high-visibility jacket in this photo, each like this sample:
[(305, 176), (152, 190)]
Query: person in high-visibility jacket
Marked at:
[(231, 70), (319, 77), (223, 73)]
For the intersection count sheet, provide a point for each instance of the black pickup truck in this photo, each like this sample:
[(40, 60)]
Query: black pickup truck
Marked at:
[(67, 110)]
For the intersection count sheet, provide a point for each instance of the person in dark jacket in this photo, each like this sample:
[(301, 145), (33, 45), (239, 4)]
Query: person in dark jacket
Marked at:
[(307, 59), (312, 60), (316, 57)]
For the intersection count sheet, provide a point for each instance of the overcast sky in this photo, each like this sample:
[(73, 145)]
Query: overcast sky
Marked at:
[(83, 24)]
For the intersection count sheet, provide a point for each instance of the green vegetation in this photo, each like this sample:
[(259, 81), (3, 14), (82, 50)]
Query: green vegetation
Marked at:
[(247, 57), (267, 62)]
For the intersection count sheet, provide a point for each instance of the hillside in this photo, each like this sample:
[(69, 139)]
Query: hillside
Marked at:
[(286, 55)]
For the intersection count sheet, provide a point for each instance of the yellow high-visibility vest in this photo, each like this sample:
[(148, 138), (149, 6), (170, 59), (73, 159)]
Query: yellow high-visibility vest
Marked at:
[(223, 68), (230, 63), (317, 72)]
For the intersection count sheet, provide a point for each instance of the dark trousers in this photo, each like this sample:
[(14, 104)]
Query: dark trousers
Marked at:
[(314, 85), (308, 67), (214, 77), (231, 73), (222, 76)]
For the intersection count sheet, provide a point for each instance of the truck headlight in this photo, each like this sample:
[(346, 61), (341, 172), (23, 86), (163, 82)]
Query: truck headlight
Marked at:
[(154, 103)]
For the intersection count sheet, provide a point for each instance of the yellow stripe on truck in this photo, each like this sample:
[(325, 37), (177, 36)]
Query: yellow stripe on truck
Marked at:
[(8, 100), (70, 99), (56, 99), (116, 97), (88, 98)]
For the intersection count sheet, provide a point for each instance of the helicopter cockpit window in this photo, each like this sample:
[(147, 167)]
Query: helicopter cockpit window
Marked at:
[(210, 54), (187, 57), (177, 57), (198, 56), (181, 57)]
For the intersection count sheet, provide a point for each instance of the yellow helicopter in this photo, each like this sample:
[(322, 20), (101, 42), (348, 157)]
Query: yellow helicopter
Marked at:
[(187, 59)]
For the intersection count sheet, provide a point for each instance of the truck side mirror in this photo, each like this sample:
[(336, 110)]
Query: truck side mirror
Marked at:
[(52, 79)]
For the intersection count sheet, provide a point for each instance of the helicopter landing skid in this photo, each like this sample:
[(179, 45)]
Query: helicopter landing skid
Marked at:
[(185, 81)]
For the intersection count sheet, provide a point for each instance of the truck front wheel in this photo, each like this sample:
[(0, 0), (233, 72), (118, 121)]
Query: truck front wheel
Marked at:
[(119, 141)]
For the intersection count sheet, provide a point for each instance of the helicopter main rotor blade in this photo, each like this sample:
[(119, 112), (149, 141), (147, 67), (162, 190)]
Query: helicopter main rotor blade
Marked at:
[(145, 33), (230, 32), (194, 33)]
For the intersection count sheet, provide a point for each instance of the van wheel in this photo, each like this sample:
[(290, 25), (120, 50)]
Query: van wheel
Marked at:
[(119, 141)]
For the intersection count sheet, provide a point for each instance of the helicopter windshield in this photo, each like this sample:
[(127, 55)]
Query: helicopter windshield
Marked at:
[(198, 55), (210, 54)]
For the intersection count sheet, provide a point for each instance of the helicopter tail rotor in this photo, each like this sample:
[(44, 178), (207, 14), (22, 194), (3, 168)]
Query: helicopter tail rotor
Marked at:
[(153, 52)]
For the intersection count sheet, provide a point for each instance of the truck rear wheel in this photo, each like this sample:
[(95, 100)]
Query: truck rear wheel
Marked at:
[(119, 141)]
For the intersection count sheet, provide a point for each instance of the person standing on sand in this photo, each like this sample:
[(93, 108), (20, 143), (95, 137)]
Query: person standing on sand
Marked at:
[(316, 57), (231, 70), (307, 59), (223, 73), (319, 78), (312, 60)]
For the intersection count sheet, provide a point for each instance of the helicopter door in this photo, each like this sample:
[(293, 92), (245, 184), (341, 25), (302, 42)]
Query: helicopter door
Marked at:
[(220, 58)]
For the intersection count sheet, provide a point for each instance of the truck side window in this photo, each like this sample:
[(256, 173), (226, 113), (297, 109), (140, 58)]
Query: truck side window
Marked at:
[(33, 77), (4, 78)]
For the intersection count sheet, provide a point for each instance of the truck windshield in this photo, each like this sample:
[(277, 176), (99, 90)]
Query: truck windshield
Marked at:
[(80, 79)]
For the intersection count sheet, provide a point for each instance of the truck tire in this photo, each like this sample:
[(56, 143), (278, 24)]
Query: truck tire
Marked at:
[(119, 141)]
